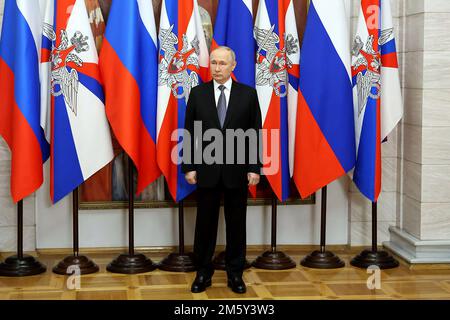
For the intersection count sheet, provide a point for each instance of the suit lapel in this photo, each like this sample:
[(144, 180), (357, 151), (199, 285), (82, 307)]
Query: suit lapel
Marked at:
[(231, 104)]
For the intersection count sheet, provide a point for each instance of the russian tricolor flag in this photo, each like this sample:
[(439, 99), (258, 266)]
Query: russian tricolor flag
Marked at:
[(183, 64), (277, 72), (80, 138), (325, 133), (20, 53), (129, 66), (378, 103)]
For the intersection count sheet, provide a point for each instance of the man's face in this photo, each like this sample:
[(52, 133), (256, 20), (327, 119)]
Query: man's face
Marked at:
[(222, 65)]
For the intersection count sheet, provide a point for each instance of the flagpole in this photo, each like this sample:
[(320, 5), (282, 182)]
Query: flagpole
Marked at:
[(181, 261), (323, 259), (131, 263), (75, 262), (374, 257), (273, 259), (21, 265)]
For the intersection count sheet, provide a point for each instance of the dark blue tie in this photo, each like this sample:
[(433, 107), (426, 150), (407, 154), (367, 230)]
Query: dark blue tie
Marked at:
[(222, 106)]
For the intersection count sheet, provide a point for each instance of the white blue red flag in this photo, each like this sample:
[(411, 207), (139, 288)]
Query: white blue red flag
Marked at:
[(129, 66), (20, 54), (183, 64), (234, 28), (325, 133), (378, 103), (277, 72), (80, 134)]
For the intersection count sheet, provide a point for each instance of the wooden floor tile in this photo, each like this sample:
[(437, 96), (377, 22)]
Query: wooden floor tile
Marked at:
[(286, 290), (102, 295), (163, 279), (342, 274), (35, 295), (417, 289), (280, 276), (223, 292), (167, 294), (353, 289)]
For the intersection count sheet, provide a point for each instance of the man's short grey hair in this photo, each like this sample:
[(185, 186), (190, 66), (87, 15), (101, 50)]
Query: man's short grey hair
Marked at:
[(232, 53)]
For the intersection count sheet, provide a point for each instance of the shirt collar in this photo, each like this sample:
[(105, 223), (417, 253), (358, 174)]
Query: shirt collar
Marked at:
[(226, 84)]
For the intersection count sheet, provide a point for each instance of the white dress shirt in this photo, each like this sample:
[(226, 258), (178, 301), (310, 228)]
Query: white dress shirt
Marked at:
[(227, 90)]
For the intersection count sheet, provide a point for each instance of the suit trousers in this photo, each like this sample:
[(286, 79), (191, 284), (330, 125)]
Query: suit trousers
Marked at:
[(235, 209)]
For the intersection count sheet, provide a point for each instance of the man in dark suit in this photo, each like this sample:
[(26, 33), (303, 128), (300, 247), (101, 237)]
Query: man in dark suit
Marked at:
[(223, 106)]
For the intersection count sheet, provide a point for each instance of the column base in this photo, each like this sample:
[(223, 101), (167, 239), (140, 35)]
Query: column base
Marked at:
[(414, 250)]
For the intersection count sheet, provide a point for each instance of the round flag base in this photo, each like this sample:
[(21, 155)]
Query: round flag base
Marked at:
[(177, 262), (25, 266), (219, 262), (274, 260), (74, 263), (322, 260), (131, 264), (368, 258)]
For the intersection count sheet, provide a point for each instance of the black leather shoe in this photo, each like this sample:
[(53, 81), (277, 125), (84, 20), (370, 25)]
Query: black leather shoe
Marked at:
[(200, 284), (236, 284)]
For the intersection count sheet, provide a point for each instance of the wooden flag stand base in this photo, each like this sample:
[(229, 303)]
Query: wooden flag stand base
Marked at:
[(131, 262), (323, 259), (21, 265), (181, 261), (273, 259), (75, 262), (373, 257)]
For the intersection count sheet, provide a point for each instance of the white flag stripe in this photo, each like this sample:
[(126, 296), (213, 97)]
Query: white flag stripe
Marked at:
[(337, 29), (249, 5), (164, 93), (146, 13), (391, 101), (29, 9), (292, 125)]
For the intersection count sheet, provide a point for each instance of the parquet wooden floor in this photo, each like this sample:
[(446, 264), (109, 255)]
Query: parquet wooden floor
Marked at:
[(405, 282)]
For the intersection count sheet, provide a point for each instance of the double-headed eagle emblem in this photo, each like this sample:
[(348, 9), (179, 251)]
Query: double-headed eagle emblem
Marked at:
[(367, 56), (63, 81), (273, 62), (174, 65)]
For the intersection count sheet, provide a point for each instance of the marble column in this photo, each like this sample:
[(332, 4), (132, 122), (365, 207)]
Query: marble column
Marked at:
[(422, 232)]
